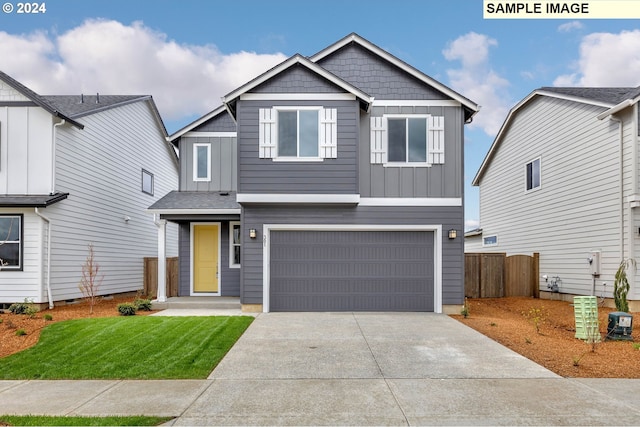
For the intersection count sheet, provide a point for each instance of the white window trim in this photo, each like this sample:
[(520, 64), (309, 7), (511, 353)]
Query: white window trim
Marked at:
[(437, 251), (146, 172), (195, 162), (484, 245), (408, 164), (531, 190), (297, 158), (232, 245), (20, 243)]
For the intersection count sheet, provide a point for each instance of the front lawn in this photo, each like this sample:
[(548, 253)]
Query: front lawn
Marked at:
[(37, 420), (155, 347)]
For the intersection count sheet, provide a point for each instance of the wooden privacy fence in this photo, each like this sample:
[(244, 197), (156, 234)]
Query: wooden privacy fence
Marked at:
[(151, 277), (496, 275)]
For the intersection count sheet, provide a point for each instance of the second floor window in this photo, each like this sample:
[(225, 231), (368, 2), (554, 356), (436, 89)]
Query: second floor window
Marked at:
[(298, 133), (201, 162), (408, 140), (533, 175)]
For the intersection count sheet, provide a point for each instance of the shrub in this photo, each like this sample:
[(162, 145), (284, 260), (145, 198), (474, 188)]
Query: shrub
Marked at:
[(142, 304), (21, 332), (25, 307), (621, 285), (47, 317), (126, 309)]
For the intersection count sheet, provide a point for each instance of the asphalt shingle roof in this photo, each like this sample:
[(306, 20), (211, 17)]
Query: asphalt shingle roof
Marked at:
[(610, 95), (197, 200)]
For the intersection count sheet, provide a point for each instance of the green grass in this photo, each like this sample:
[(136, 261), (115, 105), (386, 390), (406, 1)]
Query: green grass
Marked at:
[(35, 420), (146, 347)]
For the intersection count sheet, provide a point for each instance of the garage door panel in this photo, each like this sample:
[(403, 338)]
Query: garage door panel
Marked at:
[(351, 271)]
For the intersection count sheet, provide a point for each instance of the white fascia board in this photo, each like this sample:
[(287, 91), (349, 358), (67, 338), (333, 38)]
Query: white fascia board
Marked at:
[(437, 253), (211, 134), (297, 198), (617, 108), (196, 123), (297, 97), (417, 103), (410, 201), (194, 211)]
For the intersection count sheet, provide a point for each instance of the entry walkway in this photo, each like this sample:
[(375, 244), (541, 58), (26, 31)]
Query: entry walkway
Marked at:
[(350, 368)]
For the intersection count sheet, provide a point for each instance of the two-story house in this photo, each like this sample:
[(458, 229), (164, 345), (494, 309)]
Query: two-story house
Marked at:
[(329, 183), (562, 179), (74, 171)]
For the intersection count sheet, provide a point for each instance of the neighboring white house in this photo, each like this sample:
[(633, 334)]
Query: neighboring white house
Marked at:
[(561, 179), (78, 170)]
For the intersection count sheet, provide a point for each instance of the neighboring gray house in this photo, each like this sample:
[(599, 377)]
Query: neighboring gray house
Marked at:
[(78, 170), (561, 179), (329, 183)]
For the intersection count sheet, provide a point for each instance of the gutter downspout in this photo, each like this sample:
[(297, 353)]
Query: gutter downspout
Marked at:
[(48, 221), (53, 155), (621, 179)]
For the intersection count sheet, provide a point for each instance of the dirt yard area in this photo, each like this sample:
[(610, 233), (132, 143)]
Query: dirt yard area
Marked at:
[(510, 321)]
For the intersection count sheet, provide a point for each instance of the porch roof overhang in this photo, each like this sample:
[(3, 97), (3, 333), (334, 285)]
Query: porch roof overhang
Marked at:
[(197, 203), (31, 201)]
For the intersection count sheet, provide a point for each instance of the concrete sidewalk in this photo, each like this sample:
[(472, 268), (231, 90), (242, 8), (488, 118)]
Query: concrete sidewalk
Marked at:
[(350, 368)]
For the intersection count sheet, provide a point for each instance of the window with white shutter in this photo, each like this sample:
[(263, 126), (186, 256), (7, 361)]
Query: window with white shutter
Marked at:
[(298, 133), (413, 140)]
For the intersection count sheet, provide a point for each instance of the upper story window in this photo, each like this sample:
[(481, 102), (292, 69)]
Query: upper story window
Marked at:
[(10, 242), (407, 140), (533, 174), (147, 182), (202, 162), (298, 133)]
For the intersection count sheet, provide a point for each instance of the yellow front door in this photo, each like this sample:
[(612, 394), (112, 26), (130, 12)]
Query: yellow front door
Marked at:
[(205, 258)]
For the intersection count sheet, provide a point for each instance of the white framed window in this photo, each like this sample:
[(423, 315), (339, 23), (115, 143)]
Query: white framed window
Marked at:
[(147, 182), (11, 235), (201, 162), (532, 175), (235, 244), (490, 241), (298, 133), (407, 140)]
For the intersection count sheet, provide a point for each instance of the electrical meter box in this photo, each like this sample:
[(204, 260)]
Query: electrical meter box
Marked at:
[(594, 262), (620, 326)]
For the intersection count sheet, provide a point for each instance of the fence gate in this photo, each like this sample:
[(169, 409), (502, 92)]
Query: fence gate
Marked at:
[(151, 276), (496, 275)]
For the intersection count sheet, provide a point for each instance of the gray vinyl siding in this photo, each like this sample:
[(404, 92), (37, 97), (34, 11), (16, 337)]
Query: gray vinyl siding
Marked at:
[(100, 167), (331, 176), (449, 217), (229, 277), (220, 123), (375, 76), (223, 164), (297, 79), (577, 207), (439, 180)]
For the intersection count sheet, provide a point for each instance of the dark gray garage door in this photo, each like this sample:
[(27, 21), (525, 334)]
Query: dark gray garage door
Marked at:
[(351, 271)]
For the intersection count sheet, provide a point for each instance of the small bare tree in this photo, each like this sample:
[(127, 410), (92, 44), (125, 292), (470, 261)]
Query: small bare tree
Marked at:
[(91, 279)]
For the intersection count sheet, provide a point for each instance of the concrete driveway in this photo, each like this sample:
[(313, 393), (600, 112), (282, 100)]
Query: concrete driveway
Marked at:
[(390, 369)]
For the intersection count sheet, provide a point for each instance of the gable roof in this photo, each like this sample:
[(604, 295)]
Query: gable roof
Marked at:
[(73, 107), (173, 137), (608, 98), (297, 59), (471, 107)]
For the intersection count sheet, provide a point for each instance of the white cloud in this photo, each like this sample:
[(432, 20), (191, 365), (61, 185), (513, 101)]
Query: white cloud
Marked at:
[(471, 224), (112, 58), (570, 26), (606, 59), (478, 81)]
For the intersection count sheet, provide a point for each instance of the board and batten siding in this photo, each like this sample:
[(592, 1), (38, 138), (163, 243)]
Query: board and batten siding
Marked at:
[(329, 176), (25, 150), (438, 180), (223, 154), (100, 167), (577, 207), (256, 216)]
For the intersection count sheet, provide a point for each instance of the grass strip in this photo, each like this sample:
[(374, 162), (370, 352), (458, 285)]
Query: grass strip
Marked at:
[(39, 420), (149, 347)]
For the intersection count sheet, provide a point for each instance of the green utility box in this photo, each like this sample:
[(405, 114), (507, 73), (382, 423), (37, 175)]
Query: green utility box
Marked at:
[(586, 313), (620, 326)]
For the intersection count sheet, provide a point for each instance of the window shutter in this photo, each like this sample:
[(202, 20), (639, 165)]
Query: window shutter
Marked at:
[(329, 133), (378, 140), (435, 140), (267, 133)]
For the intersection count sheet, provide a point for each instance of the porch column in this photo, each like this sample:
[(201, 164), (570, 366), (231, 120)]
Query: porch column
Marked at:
[(162, 260)]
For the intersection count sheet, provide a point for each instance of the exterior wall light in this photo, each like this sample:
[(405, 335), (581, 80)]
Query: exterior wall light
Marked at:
[(253, 233), (453, 234)]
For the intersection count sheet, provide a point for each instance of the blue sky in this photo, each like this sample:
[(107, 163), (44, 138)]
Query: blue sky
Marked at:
[(189, 53)]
